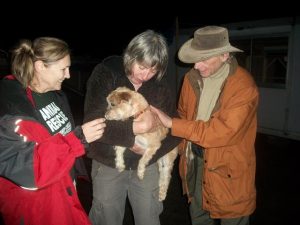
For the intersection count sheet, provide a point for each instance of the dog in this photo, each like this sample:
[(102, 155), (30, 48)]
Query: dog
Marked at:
[(124, 103)]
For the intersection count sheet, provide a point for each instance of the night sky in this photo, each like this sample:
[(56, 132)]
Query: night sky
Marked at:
[(95, 36)]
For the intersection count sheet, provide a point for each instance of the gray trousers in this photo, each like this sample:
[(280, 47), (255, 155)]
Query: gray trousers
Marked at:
[(200, 216), (110, 189)]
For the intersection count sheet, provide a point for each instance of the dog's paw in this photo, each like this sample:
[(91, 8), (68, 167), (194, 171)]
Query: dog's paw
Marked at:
[(120, 165), (120, 169), (162, 192), (140, 174), (162, 198)]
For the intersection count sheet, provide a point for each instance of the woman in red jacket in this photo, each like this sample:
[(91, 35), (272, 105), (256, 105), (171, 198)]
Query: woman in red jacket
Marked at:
[(38, 140)]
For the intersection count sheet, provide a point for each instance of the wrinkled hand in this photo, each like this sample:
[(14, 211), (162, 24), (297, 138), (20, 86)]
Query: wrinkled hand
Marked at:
[(31, 130), (164, 118), (146, 122), (94, 129)]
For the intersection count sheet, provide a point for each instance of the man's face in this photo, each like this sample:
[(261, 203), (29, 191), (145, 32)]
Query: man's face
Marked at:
[(211, 65)]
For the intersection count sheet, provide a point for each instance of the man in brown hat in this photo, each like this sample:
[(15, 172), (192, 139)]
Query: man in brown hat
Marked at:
[(218, 107)]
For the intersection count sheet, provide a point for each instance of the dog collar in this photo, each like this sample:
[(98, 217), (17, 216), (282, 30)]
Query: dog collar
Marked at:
[(140, 112)]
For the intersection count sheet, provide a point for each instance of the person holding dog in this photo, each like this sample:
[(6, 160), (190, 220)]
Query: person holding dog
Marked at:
[(39, 142), (218, 107), (142, 69)]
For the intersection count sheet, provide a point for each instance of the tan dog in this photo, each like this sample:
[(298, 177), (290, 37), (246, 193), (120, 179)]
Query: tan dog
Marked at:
[(124, 103)]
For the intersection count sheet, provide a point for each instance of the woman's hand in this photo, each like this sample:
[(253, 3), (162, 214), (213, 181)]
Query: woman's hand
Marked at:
[(146, 122), (164, 118), (94, 129), (137, 149)]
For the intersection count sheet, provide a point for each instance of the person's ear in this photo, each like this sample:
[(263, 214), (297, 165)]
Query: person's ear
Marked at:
[(225, 57), (39, 65)]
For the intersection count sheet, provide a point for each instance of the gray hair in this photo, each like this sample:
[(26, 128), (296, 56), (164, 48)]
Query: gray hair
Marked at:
[(148, 49), (46, 49)]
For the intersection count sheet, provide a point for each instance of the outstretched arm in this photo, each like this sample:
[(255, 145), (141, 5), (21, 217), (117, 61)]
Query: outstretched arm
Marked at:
[(164, 118)]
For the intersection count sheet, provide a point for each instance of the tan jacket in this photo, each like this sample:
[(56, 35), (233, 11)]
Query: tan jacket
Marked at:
[(228, 139)]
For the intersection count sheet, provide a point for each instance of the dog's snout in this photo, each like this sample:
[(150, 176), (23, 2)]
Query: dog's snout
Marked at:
[(107, 115)]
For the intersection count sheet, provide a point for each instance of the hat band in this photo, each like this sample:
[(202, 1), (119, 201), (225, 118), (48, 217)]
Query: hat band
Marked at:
[(207, 44)]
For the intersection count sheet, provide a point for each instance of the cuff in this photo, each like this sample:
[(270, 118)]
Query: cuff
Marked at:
[(79, 134)]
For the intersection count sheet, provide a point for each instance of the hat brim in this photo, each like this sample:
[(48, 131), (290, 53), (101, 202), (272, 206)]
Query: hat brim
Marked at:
[(187, 54)]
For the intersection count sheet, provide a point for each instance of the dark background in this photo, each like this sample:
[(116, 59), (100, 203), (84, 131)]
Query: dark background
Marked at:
[(98, 36)]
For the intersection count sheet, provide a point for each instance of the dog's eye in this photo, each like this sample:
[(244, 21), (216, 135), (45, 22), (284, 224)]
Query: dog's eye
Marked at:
[(112, 104)]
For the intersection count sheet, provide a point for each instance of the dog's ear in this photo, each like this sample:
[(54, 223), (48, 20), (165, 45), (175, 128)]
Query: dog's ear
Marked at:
[(125, 96)]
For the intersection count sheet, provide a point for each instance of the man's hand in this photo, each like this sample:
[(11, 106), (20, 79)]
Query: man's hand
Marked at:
[(164, 118)]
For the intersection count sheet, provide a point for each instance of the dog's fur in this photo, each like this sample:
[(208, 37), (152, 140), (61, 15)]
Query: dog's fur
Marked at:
[(124, 103)]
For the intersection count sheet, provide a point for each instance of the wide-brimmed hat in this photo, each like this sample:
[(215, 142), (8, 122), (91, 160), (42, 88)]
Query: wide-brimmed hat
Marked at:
[(208, 41)]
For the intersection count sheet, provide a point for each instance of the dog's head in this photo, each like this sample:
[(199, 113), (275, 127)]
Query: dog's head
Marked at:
[(124, 103)]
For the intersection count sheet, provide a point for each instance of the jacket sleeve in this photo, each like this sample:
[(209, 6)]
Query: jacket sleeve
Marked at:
[(31, 157), (100, 84), (228, 125)]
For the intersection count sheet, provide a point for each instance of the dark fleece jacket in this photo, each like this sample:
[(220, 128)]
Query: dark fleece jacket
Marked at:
[(107, 76)]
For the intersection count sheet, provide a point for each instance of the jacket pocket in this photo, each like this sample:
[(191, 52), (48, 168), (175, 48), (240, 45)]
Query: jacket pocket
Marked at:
[(229, 182)]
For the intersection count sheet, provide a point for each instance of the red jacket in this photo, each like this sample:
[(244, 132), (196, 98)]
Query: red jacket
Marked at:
[(35, 185), (228, 139)]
